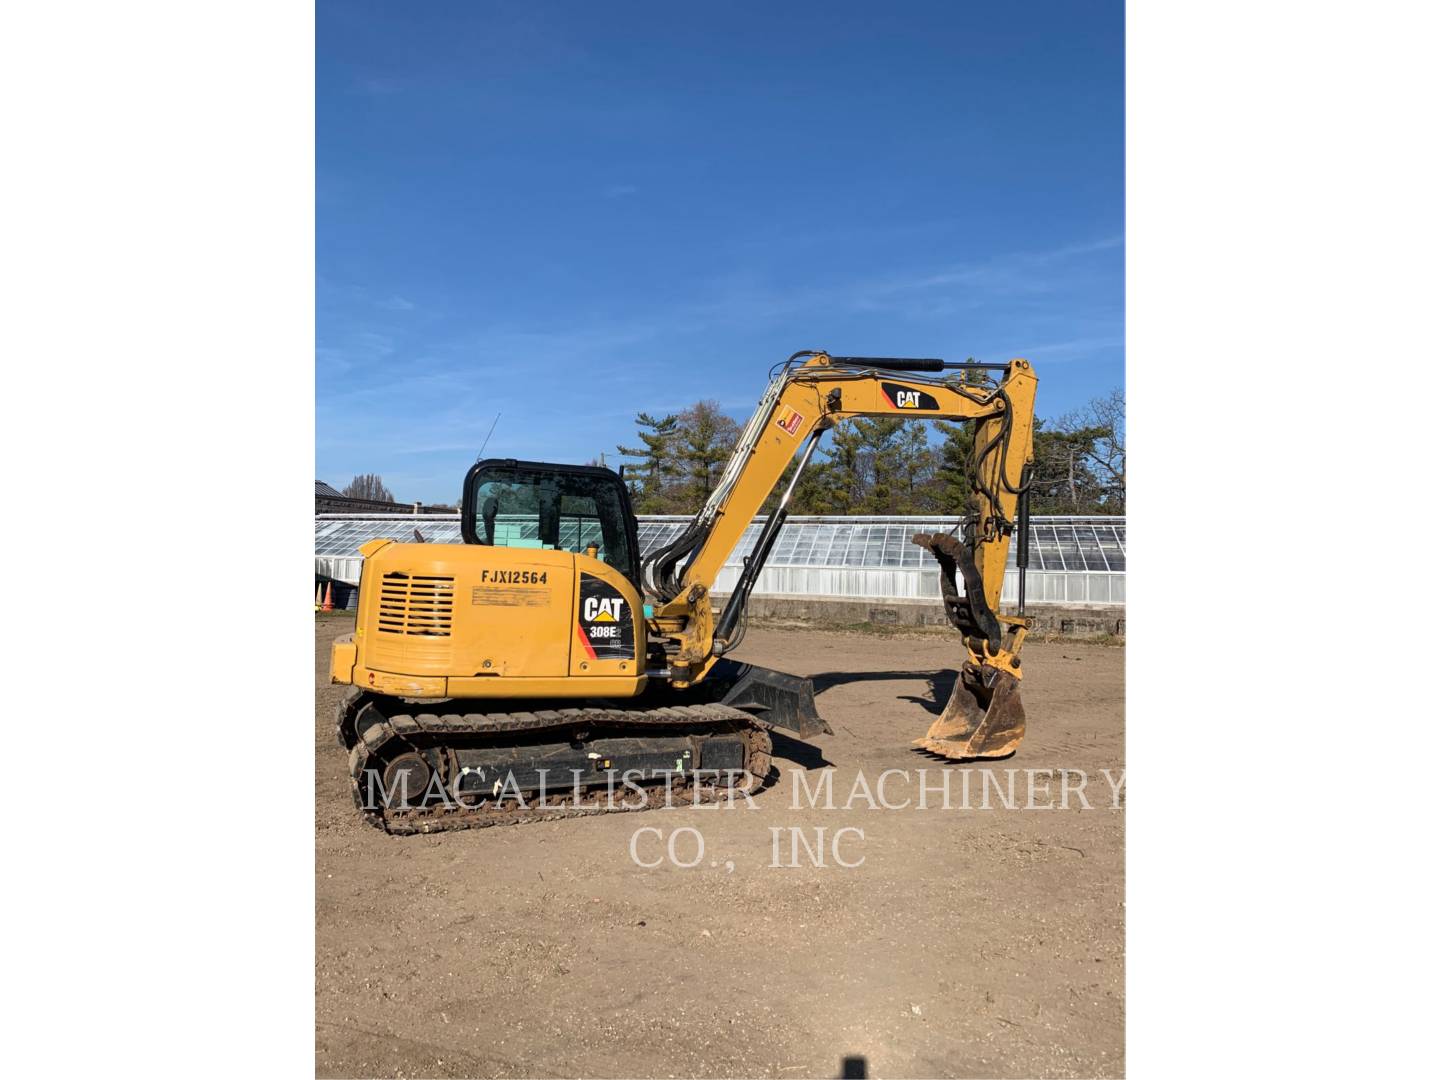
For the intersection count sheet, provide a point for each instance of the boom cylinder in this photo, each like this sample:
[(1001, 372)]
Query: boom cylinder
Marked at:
[(1022, 538), (890, 363), (905, 363), (755, 561)]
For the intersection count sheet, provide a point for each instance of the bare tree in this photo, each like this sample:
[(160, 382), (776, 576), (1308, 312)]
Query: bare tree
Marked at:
[(368, 486), (1101, 423)]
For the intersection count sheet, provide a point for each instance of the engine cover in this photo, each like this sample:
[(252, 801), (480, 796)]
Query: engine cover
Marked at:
[(472, 620)]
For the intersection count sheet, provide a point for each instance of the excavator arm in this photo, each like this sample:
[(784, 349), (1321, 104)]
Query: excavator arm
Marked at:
[(810, 394)]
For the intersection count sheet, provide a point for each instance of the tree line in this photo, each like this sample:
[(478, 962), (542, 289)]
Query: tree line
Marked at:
[(367, 486), (869, 465), (884, 465)]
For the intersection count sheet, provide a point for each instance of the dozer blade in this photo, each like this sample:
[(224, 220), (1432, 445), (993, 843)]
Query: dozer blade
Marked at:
[(982, 719), (775, 698)]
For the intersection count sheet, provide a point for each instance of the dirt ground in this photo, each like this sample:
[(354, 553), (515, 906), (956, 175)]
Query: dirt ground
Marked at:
[(969, 942)]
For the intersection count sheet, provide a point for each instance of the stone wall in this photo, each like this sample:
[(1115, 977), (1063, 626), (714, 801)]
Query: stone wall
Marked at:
[(1068, 620)]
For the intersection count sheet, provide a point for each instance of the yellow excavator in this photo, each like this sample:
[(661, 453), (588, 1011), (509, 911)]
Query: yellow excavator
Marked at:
[(543, 669)]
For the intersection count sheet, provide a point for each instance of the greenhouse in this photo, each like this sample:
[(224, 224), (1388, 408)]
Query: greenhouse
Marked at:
[(1073, 560)]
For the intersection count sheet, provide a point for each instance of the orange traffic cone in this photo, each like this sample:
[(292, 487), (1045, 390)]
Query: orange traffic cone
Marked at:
[(329, 604), (319, 596)]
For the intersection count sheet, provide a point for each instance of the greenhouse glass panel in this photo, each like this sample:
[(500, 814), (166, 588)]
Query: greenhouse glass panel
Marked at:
[(1089, 547), (1074, 559)]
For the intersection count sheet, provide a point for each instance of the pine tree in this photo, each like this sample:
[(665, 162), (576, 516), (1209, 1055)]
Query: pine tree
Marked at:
[(919, 460), (898, 463), (650, 478), (833, 484), (873, 465), (706, 440), (952, 485)]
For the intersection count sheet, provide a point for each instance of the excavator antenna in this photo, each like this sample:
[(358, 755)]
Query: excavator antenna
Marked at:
[(481, 455)]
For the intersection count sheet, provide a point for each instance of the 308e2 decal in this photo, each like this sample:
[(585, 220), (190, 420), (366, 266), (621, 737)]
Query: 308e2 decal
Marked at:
[(605, 628)]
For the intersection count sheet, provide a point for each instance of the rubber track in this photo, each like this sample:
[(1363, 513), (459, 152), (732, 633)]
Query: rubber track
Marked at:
[(367, 732)]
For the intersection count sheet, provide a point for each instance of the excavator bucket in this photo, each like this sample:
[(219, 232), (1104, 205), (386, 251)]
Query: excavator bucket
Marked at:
[(984, 717)]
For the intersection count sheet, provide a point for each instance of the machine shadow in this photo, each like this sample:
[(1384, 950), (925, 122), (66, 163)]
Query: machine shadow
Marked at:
[(807, 756), (942, 684)]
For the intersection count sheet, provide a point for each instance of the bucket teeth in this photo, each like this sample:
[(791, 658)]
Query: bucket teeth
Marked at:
[(982, 719)]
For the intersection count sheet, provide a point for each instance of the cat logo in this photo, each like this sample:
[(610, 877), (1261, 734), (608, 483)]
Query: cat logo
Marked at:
[(905, 397), (603, 609)]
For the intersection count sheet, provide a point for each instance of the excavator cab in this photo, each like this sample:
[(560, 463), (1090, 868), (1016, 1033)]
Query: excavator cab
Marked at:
[(583, 509)]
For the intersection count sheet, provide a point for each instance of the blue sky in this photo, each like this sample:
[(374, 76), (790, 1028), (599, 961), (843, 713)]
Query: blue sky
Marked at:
[(570, 212)]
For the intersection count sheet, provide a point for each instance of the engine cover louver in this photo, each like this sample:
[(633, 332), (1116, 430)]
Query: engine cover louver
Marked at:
[(416, 605)]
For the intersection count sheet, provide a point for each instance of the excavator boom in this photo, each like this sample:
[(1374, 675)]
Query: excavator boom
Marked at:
[(984, 717)]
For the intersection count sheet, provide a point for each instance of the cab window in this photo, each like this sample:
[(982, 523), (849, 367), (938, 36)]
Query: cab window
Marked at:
[(553, 510)]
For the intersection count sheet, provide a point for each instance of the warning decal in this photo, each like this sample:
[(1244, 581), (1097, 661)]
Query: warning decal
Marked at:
[(790, 420), (605, 628)]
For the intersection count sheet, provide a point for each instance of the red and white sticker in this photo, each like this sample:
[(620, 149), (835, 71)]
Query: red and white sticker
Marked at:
[(790, 420)]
